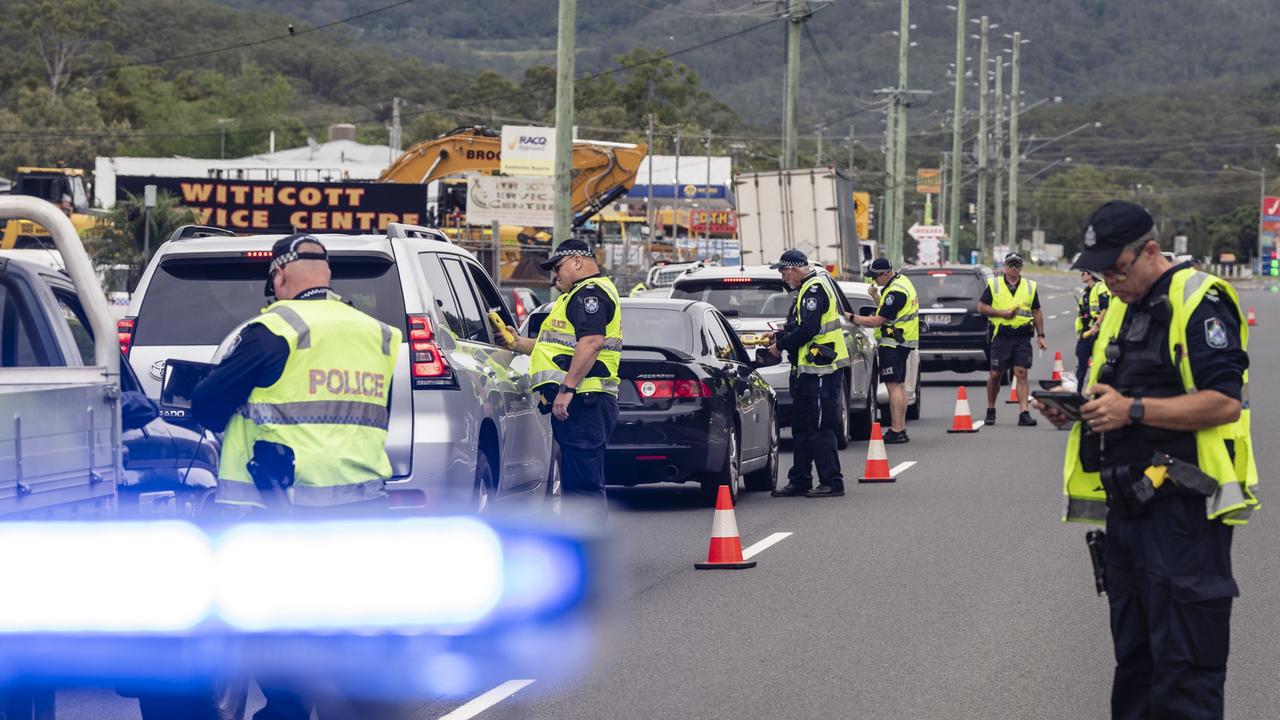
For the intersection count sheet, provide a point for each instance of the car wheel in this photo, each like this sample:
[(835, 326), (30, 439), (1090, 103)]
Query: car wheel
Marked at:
[(553, 506), (766, 478), (483, 494), (842, 412), (913, 410), (860, 423), (730, 474)]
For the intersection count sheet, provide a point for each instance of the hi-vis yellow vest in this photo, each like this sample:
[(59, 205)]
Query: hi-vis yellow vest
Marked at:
[(329, 405), (1090, 304), (908, 320), (557, 338), (1020, 302), (1237, 476), (830, 332)]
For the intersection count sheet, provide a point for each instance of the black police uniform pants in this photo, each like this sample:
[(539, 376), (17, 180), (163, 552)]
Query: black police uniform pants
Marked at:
[(582, 440), (1170, 587), (815, 420), (1084, 350)]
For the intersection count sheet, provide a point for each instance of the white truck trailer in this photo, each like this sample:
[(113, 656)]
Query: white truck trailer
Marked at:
[(808, 209)]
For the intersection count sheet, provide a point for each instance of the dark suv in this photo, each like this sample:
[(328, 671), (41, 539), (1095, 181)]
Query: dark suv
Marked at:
[(953, 334)]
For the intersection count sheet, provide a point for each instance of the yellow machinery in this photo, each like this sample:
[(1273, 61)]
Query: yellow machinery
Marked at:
[(602, 172), (61, 186)]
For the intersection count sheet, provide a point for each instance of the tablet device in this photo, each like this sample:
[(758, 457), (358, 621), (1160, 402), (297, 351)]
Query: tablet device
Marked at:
[(1068, 402), (179, 380)]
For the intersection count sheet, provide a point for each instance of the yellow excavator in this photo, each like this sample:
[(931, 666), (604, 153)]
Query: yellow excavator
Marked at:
[(602, 172), (61, 186)]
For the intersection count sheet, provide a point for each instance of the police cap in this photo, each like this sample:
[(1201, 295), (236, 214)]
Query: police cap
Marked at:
[(285, 250), (569, 248), (791, 258), (878, 267), (1110, 228)]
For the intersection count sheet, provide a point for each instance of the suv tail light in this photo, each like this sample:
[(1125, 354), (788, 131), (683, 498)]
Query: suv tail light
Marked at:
[(668, 389), (124, 333), (427, 365)]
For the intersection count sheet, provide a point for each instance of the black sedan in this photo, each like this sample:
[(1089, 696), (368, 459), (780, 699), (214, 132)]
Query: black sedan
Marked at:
[(692, 407)]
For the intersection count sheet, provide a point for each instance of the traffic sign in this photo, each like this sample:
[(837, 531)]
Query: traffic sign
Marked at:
[(929, 232), (1271, 208)]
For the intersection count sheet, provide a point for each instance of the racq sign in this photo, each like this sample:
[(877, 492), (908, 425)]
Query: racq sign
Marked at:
[(528, 150)]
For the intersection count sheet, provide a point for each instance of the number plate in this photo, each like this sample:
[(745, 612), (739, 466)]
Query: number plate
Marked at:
[(938, 319)]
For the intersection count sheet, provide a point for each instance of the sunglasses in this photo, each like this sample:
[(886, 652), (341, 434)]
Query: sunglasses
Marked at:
[(1118, 276)]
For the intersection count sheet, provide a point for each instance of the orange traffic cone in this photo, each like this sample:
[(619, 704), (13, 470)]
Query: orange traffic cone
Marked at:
[(1013, 393), (1057, 367), (877, 469), (1253, 319), (725, 551), (963, 420)]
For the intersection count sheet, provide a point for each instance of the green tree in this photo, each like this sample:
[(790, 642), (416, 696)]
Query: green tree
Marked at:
[(44, 129), (120, 237), (61, 31)]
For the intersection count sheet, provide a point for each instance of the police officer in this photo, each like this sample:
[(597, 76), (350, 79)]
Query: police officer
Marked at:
[(898, 321), (1091, 309), (1163, 456), (1013, 305), (575, 370), (310, 376), (815, 342)]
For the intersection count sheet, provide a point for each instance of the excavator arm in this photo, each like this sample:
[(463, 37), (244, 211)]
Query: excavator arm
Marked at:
[(602, 171)]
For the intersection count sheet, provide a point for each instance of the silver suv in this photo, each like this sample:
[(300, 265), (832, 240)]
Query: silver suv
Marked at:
[(755, 300), (464, 431)]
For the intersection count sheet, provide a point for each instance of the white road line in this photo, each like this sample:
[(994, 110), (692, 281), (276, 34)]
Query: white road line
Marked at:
[(765, 544), (902, 468), (1053, 317), (979, 424), (487, 700)]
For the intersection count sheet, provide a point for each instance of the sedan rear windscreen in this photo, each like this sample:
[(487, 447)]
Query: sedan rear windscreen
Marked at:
[(656, 328), (736, 298), (945, 287), (198, 301)]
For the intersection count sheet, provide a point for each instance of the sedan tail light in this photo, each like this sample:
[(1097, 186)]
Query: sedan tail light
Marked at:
[(520, 309), (427, 365), (668, 389), (124, 333)]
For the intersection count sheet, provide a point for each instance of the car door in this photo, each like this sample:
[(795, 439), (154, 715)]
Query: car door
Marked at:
[(725, 353), (859, 345)]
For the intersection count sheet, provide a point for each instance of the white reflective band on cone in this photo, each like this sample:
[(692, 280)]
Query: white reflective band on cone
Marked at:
[(723, 524), (875, 450)]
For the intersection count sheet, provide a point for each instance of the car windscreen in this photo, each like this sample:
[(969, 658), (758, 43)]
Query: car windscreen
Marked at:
[(739, 297), (656, 328), (944, 287), (198, 301)]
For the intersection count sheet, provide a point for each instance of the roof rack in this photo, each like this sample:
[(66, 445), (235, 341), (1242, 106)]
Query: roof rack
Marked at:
[(403, 231), (188, 232)]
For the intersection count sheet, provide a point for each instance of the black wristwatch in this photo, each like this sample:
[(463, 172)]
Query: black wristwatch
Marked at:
[(566, 389), (1137, 411)]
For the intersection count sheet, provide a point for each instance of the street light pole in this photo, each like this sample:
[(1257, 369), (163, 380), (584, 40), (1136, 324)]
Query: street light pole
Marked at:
[(997, 144), (790, 107), (900, 144), (982, 142), (1014, 96), (957, 158), (566, 40)]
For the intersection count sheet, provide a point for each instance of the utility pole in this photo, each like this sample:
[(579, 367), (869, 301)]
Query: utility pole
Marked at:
[(1013, 143), (675, 199), (850, 151), (890, 157), (790, 107), (819, 135), (396, 129), (706, 198), (565, 47), (900, 145), (998, 145), (983, 254), (957, 125), (649, 212)]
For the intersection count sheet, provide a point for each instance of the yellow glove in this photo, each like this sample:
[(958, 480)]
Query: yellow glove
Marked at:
[(505, 333)]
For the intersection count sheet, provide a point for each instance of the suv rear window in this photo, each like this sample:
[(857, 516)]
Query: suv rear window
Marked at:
[(940, 287), (755, 298), (198, 301)]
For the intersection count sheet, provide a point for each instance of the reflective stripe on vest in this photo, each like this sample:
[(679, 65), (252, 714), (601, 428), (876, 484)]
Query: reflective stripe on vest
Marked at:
[(830, 331), (1237, 474), (1018, 301), (908, 320), (557, 339), (329, 406)]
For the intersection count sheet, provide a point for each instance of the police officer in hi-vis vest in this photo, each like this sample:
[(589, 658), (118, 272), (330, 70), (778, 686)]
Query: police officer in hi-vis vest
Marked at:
[(814, 339), (302, 401), (575, 369), (1091, 308), (897, 325), (1164, 457), (1012, 304)]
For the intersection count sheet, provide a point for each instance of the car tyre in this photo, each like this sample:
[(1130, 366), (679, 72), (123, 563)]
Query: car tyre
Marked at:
[(860, 423), (842, 432), (483, 493), (730, 474), (553, 506), (766, 478), (913, 410)]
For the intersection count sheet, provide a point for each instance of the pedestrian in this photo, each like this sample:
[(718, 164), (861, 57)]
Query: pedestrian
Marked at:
[(575, 373), (897, 319), (1091, 308), (1163, 456), (308, 380), (1013, 306), (815, 343)]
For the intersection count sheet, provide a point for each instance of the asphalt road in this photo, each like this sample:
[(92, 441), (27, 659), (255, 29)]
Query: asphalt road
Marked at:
[(953, 592)]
